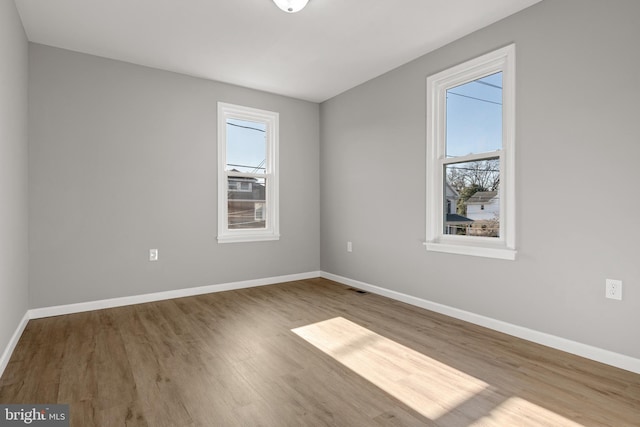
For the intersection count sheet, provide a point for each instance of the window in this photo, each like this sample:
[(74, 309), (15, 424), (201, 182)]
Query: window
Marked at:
[(247, 174), (470, 153), (259, 212), (239, 184)]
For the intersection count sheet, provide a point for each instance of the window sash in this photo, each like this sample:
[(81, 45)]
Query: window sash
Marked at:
[(499, 155)]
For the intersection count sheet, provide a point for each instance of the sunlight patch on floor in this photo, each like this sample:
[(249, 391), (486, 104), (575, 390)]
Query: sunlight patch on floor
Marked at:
[(426, 385), (521, 412), (433, 389)]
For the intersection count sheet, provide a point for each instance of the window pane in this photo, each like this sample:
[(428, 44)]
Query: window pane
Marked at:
[(246, 146), (474, 117), (246, 208), (472, 198)]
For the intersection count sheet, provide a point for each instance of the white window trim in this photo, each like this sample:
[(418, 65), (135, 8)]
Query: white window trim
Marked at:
[(272, 229), (503, 247)]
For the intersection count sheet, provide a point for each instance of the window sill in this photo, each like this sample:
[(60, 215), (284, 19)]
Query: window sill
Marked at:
[(248, 238), (481, 251)]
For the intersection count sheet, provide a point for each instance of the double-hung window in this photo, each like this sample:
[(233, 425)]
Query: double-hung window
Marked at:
[(471, 157), (247, 174)]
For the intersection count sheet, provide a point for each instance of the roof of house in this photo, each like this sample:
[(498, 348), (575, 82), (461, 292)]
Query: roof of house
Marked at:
[(450, 191), (482, 197), (452, 218)]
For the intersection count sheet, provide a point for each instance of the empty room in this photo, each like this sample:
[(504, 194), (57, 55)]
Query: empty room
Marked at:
[(319, 213)]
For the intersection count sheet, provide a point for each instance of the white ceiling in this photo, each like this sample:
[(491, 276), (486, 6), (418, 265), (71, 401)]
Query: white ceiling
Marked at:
[(327, 48)]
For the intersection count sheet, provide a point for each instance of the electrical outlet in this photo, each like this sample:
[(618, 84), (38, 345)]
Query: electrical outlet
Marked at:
[(613, 289), (349, 247), (153, 254)]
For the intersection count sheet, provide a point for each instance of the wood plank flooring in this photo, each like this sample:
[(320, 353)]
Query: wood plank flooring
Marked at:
[(273, 356)]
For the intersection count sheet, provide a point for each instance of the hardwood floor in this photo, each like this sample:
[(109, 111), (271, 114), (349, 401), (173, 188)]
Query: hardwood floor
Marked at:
[(306, 353)]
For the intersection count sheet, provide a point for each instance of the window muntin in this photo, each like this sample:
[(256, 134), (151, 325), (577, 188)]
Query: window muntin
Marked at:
[(247, 173), (470, 157)]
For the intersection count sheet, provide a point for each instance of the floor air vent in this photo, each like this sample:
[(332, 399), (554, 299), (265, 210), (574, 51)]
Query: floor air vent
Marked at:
[(359, 291)]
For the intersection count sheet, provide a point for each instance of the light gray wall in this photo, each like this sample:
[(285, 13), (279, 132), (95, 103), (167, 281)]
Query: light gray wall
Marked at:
[(578, 169), (13, 172), (123, 159)]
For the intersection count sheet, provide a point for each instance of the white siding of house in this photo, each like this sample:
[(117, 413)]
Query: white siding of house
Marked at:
[(490, 211)]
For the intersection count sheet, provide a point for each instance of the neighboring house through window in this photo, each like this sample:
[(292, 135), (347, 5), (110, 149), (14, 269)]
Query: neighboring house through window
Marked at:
[(454, 223), (470, 157), (247, 174)]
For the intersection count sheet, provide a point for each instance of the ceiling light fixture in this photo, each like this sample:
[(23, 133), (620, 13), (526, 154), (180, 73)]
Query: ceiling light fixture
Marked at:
[(291, 6)]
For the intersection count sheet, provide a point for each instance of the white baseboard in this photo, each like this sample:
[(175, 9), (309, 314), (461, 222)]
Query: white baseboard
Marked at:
[(36, 313), (584, 350), (8, 351), (594, 353)]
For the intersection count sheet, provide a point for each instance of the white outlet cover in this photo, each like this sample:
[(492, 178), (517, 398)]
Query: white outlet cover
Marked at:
[(153, 254), (613, 289)]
